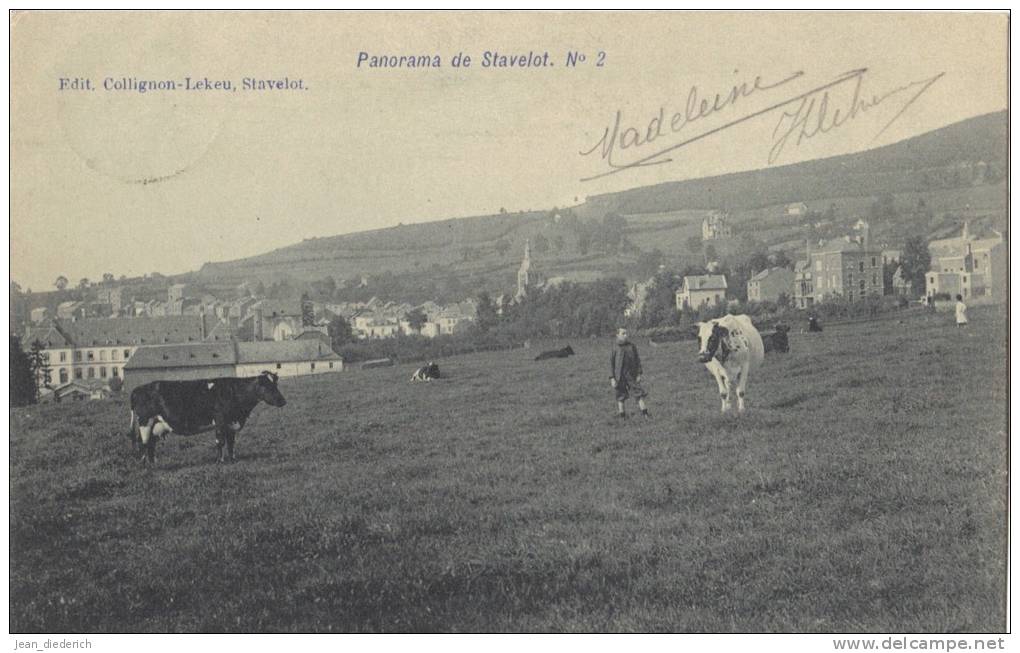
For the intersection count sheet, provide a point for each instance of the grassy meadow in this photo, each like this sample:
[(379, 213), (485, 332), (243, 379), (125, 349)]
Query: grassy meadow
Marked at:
[(864, 490)]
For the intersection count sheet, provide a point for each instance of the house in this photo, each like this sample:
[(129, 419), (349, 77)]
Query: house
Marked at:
[(100, 348), (180, 362), (278, 319), (701, 290), (968, 265), (37, 315), (842, 267), (287, 358), (891, 256), (769, 284), (70, 310), (716, 226), (208, 360), (81, 391), (796, 209)]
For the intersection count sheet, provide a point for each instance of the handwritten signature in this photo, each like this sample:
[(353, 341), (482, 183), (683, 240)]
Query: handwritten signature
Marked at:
[(813, 112)]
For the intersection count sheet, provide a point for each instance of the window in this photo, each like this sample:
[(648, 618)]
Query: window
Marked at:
[(873, 262), (92, 373), (45, 356), (818, 265), (77, 373), (114, 372), (862, 266), (279, 366), (77, 356), (102, 372), (127, 354), (862, 286), (331, 366), (63, 375), (313, 367), (113, 354), (91, 355), (63, 356), (102, 355)]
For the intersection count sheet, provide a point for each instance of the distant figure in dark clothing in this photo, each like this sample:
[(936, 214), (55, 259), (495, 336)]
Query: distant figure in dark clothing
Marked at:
[(813, 324), (625, 366)]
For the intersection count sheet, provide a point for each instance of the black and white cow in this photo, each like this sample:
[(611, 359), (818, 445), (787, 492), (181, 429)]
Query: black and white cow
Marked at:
[(191, 407), (730, 347), (426, 372), (555, 353)]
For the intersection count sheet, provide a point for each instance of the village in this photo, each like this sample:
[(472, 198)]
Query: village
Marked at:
[(88, 349)]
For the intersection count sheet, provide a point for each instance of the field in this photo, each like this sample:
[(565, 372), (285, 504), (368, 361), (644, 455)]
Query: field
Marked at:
[(864, 490)]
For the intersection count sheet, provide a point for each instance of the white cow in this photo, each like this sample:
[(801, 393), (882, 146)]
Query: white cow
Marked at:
[(730, 347)]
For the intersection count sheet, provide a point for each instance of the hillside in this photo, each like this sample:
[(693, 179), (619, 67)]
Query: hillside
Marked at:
[(934, 180)]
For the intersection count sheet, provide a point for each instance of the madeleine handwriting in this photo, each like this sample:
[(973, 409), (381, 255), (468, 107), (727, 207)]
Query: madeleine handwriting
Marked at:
[(813, 115), (818, 113), (696, 108)]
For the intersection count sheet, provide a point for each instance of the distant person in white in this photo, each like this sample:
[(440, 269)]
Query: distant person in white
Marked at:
[(961, 312)]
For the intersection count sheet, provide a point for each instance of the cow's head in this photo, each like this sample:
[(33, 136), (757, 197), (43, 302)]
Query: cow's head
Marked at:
[(266, 390), (712, 341)]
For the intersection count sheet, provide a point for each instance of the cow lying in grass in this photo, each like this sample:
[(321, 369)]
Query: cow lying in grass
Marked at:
[(730, 347), (555, 353), (777, 341), (192, 407), (426, 372)]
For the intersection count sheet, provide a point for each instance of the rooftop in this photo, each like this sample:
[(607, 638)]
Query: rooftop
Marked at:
[(705, 282), (196, 354)]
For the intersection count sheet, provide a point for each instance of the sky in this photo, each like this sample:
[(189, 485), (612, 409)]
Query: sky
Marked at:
[(130, 183)]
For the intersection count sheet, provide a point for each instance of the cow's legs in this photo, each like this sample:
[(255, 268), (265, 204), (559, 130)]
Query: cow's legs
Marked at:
[(148, 442), (724, 392), (231, 433), (221, 439), (741, 386), (225, 436)]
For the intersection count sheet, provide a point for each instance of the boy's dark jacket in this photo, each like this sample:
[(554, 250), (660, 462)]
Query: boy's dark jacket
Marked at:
[(625, 362)]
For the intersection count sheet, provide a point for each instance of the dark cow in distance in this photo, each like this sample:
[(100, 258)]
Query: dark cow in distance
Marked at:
[(777, 341), (191, 407), (426, 372), (555, 353)]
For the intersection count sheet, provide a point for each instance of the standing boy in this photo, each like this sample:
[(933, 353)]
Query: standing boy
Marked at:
[(961, 312), (626, 374)]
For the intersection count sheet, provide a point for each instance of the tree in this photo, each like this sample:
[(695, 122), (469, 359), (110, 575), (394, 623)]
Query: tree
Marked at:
[(502, 246), (116, 384), (307, 311), (541, 245), (416, 318), (558, 242), (61, 282), (23, 388), (108, 277), (340, 332), (486, 315), (694, 243), (83, 284), (15, 287), (39, 365), (915, 261), (710, 253)]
